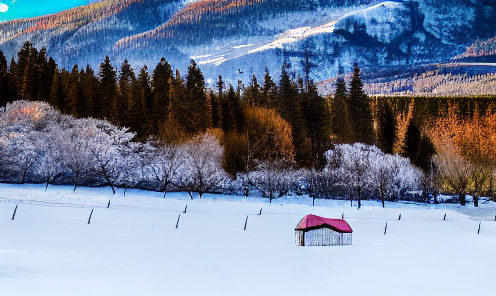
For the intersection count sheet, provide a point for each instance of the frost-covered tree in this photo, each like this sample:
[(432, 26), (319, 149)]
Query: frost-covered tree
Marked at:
[(75, 150), (272, 178), (202, 171), (163, 163)]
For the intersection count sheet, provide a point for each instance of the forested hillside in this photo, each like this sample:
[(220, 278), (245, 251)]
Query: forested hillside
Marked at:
[(239, 38)]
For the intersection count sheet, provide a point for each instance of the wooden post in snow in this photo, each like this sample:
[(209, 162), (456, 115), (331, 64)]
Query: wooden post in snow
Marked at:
[(444, 216), (399, 218), (246, 222), (478, 231), (177, 223), (89, 219), (342, 216), (108, 206), (260, 212), (184, 212), (385, 229), (15, 210)]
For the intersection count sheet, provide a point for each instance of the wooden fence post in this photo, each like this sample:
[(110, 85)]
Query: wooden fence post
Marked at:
[(478, 231), (89, 219), (177, 224), (108, 206), (342, 216), (385, 229), (260, 212), (444, 216), (13, 216), (246, 222), (184, 212), (399, 218)]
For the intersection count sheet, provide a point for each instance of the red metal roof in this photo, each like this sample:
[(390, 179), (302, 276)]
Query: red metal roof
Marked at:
[(310, 222)]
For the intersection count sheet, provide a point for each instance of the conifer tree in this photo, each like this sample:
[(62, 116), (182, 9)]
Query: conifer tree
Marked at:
[(197, 102), (412, 139), (269, 92), (108, 90), (360, 113), (57, 95), (161, 79), (252, 94), (317, 116), (216, 109), (228, 105), (290, 108), (4, 81), (76, 98), (144, 93), (340, 114), (127, 79), (386, 127), (45, 76), (90, 89), (13, 86)]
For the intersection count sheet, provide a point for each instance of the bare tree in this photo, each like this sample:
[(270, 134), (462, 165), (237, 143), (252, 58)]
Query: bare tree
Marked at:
[(164, 164), (202, 171), (76, 152), (455, 171), (273, 178)]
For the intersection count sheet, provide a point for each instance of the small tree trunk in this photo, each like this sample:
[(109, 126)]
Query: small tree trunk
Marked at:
[(190, 194), (461, 196), (382, 198), (24, 176), (359, 198), (434, 193), (76, 181), (476, 200), (47, 182)]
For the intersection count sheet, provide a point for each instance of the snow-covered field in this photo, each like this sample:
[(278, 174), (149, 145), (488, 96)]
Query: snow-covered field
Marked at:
[(134, 248)]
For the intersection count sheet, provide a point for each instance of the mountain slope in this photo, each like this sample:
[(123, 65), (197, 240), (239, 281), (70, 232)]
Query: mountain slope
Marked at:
[(238, 38)]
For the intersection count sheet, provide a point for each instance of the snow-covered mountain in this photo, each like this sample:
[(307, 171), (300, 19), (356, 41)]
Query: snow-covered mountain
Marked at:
[(238, 38)]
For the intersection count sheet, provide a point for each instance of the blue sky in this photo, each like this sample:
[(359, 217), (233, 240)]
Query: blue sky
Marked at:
[(31, 8)]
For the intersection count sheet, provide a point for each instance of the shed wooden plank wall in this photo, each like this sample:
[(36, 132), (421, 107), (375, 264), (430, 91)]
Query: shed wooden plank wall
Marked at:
[(322, 237)]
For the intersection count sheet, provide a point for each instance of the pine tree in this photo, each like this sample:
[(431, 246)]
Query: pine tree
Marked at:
[(197, 102), (144, 92), (269, 92), (317, 116), (340, 115), (161, 79), (45, 76), (252, 94), (57, 95), (386, 127), (412, 140), (108, 90), (216, 109), (76, 98), (360, 113), (289, 106), (90, 89), (4, 81), (227, 103), (127, 79)]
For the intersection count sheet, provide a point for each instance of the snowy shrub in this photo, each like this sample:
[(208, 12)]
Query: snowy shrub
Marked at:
[(273, 179), (363, 169), (202, 169)]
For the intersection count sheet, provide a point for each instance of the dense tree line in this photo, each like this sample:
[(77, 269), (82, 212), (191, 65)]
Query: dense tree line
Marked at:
[(270, 136)]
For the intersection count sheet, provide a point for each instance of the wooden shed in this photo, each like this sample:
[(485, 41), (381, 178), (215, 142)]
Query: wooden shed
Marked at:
[(319, 231)]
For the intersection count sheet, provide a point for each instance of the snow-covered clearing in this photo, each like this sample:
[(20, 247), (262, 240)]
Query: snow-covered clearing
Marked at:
[(133, 248)]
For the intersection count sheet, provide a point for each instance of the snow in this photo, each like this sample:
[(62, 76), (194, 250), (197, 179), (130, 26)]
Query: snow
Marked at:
[(133, 248)]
